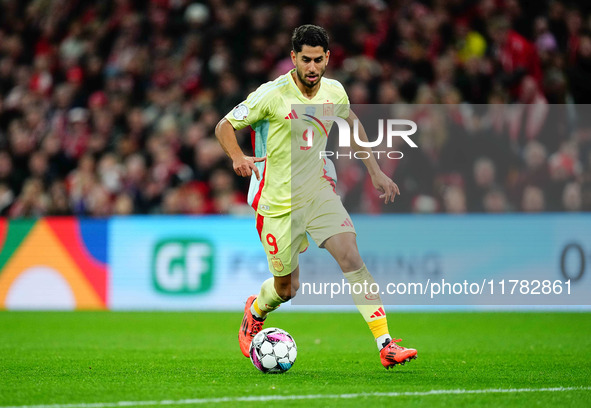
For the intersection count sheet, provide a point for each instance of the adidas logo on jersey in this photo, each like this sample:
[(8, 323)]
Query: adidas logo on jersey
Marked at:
[(292, 115), (347, 223)]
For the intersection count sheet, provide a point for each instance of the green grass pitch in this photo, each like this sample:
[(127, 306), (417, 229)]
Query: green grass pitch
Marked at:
[(82, 358)]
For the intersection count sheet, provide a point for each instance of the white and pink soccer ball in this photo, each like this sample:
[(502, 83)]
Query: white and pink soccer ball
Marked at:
[(273, 350)]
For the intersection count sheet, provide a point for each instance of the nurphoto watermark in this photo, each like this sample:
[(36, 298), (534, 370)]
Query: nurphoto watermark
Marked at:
[(313, 130)]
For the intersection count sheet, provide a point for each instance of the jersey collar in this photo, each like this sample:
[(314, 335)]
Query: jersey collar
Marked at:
[(297, 90)]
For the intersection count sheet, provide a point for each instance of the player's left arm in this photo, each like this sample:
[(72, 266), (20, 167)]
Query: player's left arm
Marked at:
[(381, 182)]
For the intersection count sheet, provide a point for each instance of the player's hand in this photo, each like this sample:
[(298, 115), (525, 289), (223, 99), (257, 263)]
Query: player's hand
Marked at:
[(385, 185), (245, 165)]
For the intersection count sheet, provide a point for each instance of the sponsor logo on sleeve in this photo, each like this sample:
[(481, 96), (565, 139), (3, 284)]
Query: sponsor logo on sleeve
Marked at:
[(240, 112)]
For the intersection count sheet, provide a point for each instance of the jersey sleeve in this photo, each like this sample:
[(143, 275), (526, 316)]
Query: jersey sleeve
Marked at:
[(255, 108)]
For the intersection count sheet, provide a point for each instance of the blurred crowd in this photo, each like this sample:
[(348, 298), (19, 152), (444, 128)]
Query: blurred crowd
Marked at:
[(108, 107)]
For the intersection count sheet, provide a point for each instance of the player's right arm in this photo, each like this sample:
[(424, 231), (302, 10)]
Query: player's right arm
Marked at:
[(243, 165), (248, 113)]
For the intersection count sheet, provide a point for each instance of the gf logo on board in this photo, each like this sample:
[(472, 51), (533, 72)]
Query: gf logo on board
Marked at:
[(183, 266)]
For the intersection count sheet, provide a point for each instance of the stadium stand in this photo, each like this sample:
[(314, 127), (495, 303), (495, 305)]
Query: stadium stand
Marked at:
[(109, 107)]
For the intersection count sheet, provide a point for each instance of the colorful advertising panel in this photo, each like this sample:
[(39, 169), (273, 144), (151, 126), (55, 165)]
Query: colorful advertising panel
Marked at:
[(53, 263), (214, 263)]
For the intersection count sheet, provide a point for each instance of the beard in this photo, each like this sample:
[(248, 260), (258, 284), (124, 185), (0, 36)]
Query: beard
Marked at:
[(307, 83)]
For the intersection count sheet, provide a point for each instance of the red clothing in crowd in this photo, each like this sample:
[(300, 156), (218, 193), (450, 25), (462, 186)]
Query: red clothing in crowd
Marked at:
[(516, 53)]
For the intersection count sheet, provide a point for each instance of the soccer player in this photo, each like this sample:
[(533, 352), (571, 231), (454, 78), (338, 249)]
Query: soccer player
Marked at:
[(292, 193)]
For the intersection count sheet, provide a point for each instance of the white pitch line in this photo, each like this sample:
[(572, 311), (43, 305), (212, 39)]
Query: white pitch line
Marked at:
[(264, 398)]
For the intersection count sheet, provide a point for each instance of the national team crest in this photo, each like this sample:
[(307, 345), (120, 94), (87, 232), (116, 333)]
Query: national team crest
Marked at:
[(328, 109), (277, 264)]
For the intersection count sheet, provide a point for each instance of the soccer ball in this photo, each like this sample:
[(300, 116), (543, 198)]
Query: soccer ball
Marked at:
[(273, 350)]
